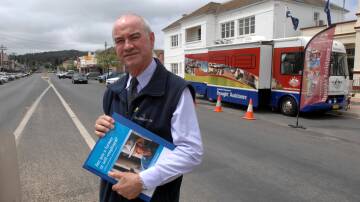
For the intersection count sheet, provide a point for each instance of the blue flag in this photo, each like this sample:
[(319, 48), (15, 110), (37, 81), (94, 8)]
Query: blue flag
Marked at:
[(327, 11), (294, 20)]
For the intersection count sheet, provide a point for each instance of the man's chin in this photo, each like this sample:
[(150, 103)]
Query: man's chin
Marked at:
[(131, 60), (129, 64)]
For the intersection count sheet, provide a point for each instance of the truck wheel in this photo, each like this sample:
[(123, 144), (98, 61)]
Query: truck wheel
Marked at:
[(288, 106)]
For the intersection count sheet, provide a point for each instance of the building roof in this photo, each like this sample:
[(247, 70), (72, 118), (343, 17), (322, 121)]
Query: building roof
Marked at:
[(207, 9), (217, 8), (235, 4)]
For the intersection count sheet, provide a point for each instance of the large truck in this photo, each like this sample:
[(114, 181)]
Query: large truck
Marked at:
[(268, 72)]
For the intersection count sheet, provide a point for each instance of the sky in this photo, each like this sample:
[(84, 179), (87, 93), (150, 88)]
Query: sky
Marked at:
[(29, 26)]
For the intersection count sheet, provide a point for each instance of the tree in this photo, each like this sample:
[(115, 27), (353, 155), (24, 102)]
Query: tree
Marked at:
[(107, 59), (48, 65)]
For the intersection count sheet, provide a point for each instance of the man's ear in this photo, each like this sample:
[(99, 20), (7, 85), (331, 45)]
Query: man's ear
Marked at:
[(152, 39)]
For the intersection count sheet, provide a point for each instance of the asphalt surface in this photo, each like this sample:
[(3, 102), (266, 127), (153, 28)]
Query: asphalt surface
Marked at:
[(265, 160), (51, 157), (84, 99), (15, 98), (260, 160)]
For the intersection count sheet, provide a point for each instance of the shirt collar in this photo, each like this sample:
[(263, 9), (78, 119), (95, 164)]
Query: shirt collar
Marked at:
[(144, 77)]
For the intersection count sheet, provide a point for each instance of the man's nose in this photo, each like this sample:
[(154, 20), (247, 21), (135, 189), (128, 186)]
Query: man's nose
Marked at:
[(128, 45)]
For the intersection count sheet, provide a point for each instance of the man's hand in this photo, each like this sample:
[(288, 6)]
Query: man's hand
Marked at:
[(103, 124), (129, 184)]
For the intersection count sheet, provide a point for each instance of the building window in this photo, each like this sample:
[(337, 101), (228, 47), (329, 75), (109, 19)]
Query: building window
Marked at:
[(175, 68), (316, 16), (227, 29), (291, 63), (193, 34), (174, 40), (317, 20), (247, 25)]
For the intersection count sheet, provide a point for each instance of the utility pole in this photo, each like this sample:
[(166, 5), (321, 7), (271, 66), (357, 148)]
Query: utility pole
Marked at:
[(343, 9), (106, 61), (2, 48)]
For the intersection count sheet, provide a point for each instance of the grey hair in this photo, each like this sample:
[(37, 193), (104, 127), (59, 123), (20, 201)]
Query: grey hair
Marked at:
[(145, 22)]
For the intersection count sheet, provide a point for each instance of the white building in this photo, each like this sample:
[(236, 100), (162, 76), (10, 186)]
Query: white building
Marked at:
[(5, 63), (239, 21)]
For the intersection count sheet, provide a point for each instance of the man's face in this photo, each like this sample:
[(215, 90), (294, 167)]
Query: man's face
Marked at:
[(133, 43)]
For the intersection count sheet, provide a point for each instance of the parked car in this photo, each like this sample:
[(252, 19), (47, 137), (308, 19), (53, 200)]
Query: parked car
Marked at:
[(93, 75), (2, 81), (114, 77), (62, 75), (103, 77), (58, 73), (5, 78), (11, 77), (79, 78), (69, 74)]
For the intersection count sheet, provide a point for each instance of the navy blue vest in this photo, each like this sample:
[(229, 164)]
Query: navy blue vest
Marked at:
[(152, 108)]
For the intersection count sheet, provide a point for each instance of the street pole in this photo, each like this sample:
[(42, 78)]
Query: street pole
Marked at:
[(106, 61)]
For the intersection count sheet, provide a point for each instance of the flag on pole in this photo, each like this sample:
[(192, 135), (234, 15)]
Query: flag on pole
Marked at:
[(327, 11), (315, 79), (294, 20)]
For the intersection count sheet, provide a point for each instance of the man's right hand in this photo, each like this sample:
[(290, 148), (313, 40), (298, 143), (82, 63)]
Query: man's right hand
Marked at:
[(103, 124)]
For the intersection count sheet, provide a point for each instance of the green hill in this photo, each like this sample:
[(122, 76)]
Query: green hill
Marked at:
[(53, 58)]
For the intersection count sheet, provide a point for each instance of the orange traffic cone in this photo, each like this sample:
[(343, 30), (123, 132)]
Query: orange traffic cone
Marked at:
[(249, 115), (218, 105)]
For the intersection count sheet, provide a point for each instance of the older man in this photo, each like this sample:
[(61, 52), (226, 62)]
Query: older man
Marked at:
[(157, 100)]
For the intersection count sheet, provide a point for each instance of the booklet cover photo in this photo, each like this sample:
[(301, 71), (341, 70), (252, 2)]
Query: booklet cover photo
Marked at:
[(127, 148)]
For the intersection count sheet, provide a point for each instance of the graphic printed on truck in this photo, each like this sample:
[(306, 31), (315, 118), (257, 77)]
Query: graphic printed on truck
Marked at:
[(238, 75), (228, 68)]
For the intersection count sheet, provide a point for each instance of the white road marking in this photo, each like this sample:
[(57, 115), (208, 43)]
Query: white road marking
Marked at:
[(18, 131), (84, 133)]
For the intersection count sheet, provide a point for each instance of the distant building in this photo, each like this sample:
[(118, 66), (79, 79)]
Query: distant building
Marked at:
[(68, 64), (5, 63), (239, 21), (159, 54), (87, 63)]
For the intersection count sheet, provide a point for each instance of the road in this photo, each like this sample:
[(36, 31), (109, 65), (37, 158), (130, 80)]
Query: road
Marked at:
[(265, 160), (15, 99), (260, 160)]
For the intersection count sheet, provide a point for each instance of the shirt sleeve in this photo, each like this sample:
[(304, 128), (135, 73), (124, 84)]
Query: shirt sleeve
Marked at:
[(187, 139)]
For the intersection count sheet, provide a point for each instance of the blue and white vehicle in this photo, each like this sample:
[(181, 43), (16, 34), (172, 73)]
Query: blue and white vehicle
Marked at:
[(268, 72)]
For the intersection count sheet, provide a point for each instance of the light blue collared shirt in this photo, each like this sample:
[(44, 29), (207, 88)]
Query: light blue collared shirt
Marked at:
[(186, 137), (144, 77)]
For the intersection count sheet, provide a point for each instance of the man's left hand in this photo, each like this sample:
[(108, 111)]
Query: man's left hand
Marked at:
[(129, 184)]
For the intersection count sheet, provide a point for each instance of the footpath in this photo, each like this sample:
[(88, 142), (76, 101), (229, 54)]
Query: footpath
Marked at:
[(354, 106)]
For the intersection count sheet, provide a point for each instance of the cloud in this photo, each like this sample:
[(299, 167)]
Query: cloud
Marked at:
[(42, 25)]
